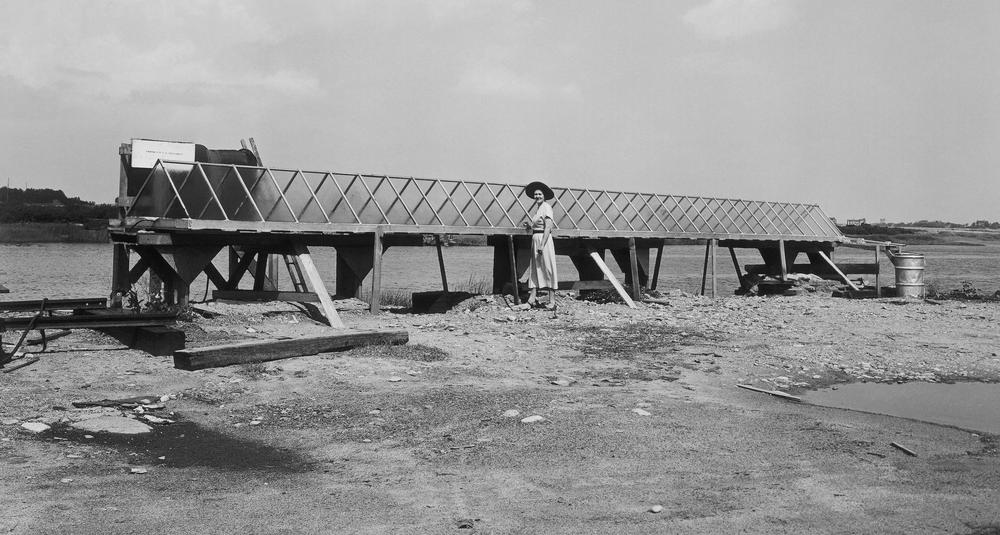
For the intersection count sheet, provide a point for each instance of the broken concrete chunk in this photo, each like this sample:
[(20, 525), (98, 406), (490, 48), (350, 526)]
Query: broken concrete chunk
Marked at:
[(113, 424), (36, 427), (532, 419)]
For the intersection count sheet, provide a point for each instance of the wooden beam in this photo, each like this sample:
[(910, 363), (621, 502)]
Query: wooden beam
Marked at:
[(54, 304), (633, 260), (88, 321), (217, 279), (120, 280), (260, 271), (444, 276), (656, 268), (267, 350), (878, 282), (318, 287), (835, 268), (271, 277), (611, 278), (376, 300), (137, 270)]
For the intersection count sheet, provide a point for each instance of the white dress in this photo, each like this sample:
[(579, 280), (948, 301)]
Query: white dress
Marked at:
[(542, 270)]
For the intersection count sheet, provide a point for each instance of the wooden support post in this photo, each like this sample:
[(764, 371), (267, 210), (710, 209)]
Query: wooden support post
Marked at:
[(318, 287), (878, 281), (271, 278), (376, 299), (784, 262), (260, 271), (234, 262), (715, 245), (611, 277), (137, 270), (837, 270), (444, 276), (634, 268), (120, 284), (215, 277), (513, 269), (656, 267), (704, 269), (169, 285), (183, 291), (736, 264)]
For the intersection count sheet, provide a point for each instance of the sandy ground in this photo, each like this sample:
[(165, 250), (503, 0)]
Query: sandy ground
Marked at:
[(639, 409)]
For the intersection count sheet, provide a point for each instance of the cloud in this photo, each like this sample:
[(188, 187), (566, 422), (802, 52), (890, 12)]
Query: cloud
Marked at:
[(114, 50), (733, 19), (499, 81)]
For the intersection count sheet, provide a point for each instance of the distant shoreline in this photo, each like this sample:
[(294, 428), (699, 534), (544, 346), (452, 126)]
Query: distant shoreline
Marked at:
[(51, 233)]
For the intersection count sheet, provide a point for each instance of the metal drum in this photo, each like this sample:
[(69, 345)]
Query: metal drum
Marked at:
[(909, 275)]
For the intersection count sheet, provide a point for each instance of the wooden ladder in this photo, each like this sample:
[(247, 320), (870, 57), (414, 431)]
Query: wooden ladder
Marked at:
[(295, 273)]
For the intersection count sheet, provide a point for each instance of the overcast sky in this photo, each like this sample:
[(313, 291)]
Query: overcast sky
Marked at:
[(869, 108)]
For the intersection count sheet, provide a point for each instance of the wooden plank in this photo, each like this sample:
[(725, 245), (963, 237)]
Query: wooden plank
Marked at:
[(850, 268), (376, 300), (835, 268), (261, 296), (903, 449), (633, 260), (776, 393), (878, 281), (611, 278), (318, 287), (267, 350), (715, 282), (739, 272), (109, 319), (55, 304), (704, 269), (217, 279)]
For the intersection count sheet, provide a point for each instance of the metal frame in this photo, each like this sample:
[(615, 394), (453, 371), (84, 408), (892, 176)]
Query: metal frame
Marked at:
[(364, 203)]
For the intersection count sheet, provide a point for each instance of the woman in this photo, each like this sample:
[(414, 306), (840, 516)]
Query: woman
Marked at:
[(542, 269)]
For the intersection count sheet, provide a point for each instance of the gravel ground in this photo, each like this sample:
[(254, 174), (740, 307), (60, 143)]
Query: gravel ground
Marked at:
[(638, 409)]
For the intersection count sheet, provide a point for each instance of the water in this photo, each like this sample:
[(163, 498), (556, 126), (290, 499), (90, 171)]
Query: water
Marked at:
[(58, 270), (965, 405)]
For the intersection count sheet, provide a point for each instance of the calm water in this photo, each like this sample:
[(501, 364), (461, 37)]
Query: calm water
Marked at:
[(965, 405), (84, 270)]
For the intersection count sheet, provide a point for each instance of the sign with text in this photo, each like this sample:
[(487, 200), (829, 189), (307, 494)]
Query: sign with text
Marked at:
[(145, 152)]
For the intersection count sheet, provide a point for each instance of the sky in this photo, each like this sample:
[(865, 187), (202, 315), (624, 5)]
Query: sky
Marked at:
[(869, 108)]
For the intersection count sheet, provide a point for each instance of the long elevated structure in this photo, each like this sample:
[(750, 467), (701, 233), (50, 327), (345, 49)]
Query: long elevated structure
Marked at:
[(178, 214)]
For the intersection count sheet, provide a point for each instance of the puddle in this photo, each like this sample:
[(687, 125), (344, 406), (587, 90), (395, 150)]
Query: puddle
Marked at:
[(185, 444), (973, 406)]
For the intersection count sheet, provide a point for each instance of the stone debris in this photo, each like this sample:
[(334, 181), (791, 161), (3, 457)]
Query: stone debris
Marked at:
[(138, 470), (119, 425), (395, 379), (641, 412), (532, 419), (512, 413), (8, 421), (36, 427), (656, 509)]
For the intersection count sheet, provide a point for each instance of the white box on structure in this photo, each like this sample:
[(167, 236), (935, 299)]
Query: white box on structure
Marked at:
[(145, 152)]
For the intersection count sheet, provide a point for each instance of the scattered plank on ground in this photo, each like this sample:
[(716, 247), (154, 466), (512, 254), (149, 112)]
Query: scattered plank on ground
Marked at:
[(903, 449), (266, 350), (776, 393), (20, 363)]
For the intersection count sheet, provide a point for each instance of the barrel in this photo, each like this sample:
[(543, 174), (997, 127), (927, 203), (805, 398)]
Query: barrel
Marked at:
[(909, 275)]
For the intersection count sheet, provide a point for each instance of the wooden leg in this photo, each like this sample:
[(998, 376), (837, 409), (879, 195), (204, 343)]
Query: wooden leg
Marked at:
[(656, 267), (634, 268), (271, 279), (305, 261), (120, 284), (837, 270), (513, 269), (739, 272), (784, 263), (878, 282), (375, 304), (444, 275), (714, 243), (704, 269)]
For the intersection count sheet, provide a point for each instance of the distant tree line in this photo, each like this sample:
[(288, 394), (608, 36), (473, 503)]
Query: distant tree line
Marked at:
[(49, 206)]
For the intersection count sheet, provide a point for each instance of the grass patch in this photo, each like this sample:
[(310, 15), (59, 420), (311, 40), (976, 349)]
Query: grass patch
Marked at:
[(252, 371)]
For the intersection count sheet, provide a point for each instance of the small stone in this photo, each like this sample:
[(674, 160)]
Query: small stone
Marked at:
[(532, 419), (411, 372), (512, 413), (164, 398), (36, 427), (74, 456), (562, 382), (138, 471), (66, 480), (8, 421), (395, 379), (374, 412), (641, 412), (255, 422), (656, 509), (88, 436)]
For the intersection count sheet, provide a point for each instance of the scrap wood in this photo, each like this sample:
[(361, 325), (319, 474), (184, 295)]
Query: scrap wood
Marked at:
[(132, 401), (903, 449), (776, 393), (20, 363)]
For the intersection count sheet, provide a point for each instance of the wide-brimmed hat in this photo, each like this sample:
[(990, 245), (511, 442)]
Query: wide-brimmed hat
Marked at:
[(530, 190)]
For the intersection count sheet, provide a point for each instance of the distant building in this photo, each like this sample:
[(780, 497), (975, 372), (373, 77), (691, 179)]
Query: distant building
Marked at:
[(855, 222)]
